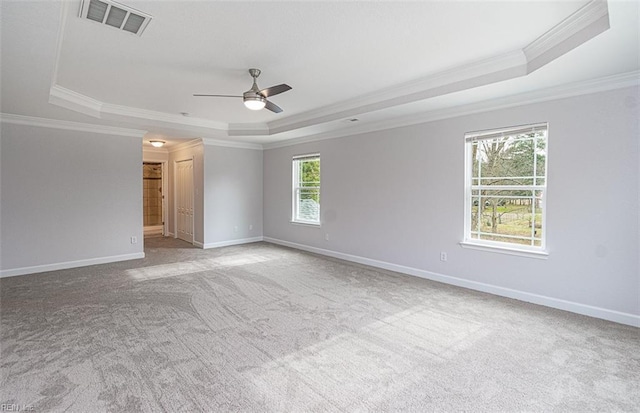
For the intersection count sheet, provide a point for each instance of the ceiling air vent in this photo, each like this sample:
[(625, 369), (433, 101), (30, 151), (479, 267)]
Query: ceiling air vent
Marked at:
[(115, 15)]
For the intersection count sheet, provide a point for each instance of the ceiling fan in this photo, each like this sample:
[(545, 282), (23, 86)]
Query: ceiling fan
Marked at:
[(256, 99)]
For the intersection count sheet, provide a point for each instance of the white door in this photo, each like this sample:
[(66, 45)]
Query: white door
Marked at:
[(184, 200)]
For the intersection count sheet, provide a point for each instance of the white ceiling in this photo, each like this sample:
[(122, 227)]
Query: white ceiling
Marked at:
[(383, 62)]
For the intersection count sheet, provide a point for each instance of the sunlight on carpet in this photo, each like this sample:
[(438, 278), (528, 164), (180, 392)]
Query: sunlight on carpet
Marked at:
[(341, 366), (192, 267)]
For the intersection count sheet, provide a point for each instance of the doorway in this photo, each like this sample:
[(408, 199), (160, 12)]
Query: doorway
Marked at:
[(153, 197), (184, 199)]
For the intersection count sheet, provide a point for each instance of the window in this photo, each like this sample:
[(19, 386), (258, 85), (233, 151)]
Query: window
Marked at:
[(306, 189), (505, 188)]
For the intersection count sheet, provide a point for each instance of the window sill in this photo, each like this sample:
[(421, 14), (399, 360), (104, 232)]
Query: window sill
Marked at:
[(306, 224), (538, 254)]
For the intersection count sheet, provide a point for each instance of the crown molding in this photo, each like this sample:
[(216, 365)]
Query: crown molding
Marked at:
[(474, 74), (67, 125), (586, 23), (538, 96), (446, 80), (231, 144), (69, 99), (75, 101), (144, 114), (194, 143), (582, 18), (619, 81), (248, 129), (59, 40)]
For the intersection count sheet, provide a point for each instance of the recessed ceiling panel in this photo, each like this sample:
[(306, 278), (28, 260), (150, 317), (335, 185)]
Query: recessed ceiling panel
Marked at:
[(331, 53)]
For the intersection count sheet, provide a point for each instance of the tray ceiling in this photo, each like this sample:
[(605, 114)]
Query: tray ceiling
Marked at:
[(374, 61)]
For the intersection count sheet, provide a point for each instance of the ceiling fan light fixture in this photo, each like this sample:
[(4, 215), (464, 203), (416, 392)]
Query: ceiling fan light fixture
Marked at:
[(157, 144), (256, 98), (255, 102)]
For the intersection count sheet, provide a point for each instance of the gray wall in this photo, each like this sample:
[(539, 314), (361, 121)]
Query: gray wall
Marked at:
[(397, 196), (232, 194), (68, 196), (394, 196)]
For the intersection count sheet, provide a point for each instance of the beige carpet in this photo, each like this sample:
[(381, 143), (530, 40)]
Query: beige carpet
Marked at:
[(262, 328)]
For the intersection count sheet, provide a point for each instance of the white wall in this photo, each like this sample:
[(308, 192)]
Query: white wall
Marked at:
[(68, 198), (396, 196), (232, 195)]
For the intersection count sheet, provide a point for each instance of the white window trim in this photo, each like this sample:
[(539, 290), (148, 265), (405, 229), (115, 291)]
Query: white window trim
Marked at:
[(294, 197), (306, 223), (540, 252), (505, 249)]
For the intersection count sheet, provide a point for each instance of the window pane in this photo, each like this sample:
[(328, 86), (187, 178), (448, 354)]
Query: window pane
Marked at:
[(541, 155), (507, 218), (307, 189), (475, 163), (309, 205), (537, 216), (507, 162), (310, 172)]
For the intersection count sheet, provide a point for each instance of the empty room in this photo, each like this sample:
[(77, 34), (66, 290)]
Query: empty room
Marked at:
[(319, 206)]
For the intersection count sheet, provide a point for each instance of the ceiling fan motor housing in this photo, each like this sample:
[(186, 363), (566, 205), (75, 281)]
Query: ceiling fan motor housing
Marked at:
[(252, 98)]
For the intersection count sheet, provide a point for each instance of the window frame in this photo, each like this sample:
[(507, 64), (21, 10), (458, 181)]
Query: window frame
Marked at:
[(295, 192), (500, 246)]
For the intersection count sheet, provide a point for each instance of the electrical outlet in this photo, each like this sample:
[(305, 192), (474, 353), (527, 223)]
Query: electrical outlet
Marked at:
[(134, 240), (235, 229), (443, 256), (250, 227), (326, 237)]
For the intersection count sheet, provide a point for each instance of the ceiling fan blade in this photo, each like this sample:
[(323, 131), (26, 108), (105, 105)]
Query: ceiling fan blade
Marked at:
[(272, 107), (218, 96), (274, 90)]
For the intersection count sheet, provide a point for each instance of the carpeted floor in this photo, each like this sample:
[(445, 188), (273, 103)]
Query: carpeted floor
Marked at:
[(262, 328)]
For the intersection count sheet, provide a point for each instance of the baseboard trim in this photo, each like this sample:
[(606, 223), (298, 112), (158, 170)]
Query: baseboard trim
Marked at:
[(578, 308), (69, 264), (230, 242)]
